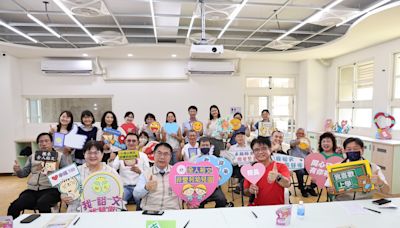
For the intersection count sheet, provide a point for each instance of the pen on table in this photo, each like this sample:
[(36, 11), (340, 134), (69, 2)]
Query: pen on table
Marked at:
[(372, 210), (187, 223), (76, 221), (254, 214)]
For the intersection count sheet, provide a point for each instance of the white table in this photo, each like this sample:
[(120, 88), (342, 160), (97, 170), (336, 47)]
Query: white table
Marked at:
[(333, 214)]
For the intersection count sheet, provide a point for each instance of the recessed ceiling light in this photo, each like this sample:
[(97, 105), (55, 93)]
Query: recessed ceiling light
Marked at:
[(173, 55), (130, 55), (85, 55)]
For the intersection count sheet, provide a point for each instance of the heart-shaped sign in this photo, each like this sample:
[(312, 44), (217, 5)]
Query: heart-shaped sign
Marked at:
[(316, 163), (193, 182), (384, 120), (253, 173), (55, 177), (224, 166), (128, 127)]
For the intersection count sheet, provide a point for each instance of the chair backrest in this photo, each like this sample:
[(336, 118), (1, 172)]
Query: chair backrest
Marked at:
[(286, 196)]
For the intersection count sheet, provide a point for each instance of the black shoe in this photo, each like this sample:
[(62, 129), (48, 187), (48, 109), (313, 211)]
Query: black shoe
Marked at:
[(312, 192), (237, 190), (230, 204), (304, 193)]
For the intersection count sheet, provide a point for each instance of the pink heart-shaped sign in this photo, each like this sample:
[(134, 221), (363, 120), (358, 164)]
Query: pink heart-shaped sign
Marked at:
[(193, 182), (384, 120), (315, 164), (253, 173), (55, 177)]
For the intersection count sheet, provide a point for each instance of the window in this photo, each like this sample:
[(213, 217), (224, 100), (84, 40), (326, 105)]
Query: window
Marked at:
[(396, 92), (355, 93), (47, 110), (271, 82)]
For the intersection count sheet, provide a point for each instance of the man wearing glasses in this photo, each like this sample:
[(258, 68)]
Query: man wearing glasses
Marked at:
[(269, 190), (130, 170), (153, 185)]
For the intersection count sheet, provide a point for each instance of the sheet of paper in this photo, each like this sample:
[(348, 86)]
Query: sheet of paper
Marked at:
[(354, 209)]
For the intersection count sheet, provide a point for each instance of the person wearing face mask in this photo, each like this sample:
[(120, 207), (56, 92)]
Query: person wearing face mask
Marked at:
[(353, 150), (217, 196), (143, 139)]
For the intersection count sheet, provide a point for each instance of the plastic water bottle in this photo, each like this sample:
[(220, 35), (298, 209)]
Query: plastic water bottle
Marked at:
[(300, 210)]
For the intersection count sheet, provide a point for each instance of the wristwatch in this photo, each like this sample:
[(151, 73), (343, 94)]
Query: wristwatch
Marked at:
[(278, 178)]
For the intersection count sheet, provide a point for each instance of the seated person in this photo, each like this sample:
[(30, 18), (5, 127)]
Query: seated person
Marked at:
[(269, 190), (130, 170), (296, 151), (277, 143), (153, 184), (327, 146), (39, 195), (217, 196), (93, 153), (191, 149), (356, 147)]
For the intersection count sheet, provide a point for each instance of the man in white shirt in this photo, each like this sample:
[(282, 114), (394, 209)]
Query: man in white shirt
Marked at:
[(130, 170), (191, 149)]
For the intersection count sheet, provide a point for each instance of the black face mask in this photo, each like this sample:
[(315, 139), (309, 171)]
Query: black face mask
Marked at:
[(353, 155), (205, 150)]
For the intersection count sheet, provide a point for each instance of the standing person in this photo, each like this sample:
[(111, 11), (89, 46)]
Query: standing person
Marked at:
[(327, 145), (265, 127), (296, 151), (87, 128), (93, 151), (148, 119), (130, 170), (215, 137), (172, 138), (269, 190), (65, 124), (188, 125), (129, 126), (40, 194), (191, 150), (243, 128), (153, 185), (108, 120)]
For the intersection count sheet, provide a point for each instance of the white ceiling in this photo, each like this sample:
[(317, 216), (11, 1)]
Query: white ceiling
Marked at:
[(380, 26)]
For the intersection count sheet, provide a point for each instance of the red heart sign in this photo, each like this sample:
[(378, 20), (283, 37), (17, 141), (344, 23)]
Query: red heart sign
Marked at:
[(387, 118), (55, 177)]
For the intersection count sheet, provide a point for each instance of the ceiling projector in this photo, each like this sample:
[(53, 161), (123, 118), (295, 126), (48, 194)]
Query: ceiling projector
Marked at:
[(206, 50)]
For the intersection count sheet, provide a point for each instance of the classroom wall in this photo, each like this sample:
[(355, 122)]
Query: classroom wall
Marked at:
[(382, 55)]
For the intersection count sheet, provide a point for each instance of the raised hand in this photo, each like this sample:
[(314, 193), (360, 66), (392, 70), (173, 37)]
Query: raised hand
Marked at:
[(273, 174)]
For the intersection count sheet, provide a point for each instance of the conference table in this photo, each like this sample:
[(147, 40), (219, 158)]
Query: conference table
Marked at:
[(348, 214)]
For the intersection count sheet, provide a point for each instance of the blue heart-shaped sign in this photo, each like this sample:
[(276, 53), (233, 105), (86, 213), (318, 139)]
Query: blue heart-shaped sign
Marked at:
[(224, 167)]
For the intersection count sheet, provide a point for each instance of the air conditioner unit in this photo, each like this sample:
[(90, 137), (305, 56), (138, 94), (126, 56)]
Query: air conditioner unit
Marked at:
[(60, 66), (211, 67)]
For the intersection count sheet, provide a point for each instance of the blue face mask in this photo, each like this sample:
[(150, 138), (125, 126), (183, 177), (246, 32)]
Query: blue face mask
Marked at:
[(205, 150), (353, 155)]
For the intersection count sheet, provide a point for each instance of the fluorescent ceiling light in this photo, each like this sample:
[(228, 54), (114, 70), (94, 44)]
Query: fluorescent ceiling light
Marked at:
[(232, 17), (318, 14), (191, 25), (43, 25), (69, 13), (364, 11), (153, 18), (130, 55), (17, 31), (85, 55)]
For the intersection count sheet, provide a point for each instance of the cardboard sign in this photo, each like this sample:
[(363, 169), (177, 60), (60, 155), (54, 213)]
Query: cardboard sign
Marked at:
[(51, 156), (160, 224), (102, 192), (155, 126), (253, 173), (6, 222), (114, 137), (316, 163), (197, 126), (72, 139), (128, 127), (67, 180), (128, 154), (350, 177), (235, 124), (224, 166), (193, 152), (222, 126), (48, 166), (293, 163), (171, 128), (264, 129), (384, 122), (193, 182), (243, 157)]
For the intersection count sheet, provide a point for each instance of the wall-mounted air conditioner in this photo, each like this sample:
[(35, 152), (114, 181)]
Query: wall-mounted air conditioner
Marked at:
[(211, 67), (67, 66)]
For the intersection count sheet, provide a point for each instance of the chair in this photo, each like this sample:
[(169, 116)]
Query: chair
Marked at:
[(296, 184), (287, 196)]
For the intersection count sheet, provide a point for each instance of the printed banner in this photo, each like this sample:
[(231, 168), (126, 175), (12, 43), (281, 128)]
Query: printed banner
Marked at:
[(46, 156), (128, 154), (293, 163), (67, 181)]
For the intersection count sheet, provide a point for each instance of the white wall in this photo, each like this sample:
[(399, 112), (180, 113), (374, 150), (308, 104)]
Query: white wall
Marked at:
[(11, 113), (382, 55)]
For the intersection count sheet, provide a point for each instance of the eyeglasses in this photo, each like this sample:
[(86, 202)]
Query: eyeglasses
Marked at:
[(161, 154), (261, 149)]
